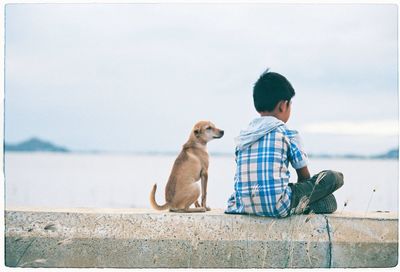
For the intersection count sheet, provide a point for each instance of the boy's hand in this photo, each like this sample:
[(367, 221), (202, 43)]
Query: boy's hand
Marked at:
[(303, 174)]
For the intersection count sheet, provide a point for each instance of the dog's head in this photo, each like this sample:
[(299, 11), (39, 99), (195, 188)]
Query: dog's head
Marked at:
[(205, 131)]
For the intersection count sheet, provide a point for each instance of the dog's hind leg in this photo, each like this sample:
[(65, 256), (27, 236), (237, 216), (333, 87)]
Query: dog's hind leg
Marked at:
[(197, 204)]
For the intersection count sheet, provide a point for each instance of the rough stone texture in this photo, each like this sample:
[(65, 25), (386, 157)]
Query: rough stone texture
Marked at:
[(148, 239), (370, 241)]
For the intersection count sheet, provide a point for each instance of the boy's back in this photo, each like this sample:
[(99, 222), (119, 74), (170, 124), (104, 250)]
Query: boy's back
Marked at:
[(263, 153)]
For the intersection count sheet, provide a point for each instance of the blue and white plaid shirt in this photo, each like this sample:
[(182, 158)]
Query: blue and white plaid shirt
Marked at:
[(263, 154)]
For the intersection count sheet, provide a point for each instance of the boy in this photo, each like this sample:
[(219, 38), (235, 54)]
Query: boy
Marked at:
[(263, 153)]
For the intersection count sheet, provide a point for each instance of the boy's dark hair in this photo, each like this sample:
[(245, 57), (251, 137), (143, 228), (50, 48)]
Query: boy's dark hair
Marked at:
[(269, 89)]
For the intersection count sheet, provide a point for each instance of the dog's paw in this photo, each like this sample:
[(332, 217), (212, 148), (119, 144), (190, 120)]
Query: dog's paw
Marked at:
[(208, 209)]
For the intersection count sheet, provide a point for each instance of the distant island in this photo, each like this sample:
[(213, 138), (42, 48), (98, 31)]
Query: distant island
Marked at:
[(34, 145), (39, 145), (392, 154)]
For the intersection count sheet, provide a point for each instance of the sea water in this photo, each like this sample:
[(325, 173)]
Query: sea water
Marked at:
[(125, 180)]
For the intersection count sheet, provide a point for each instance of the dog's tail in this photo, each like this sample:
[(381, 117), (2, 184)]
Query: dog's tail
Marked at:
[(153, 200)]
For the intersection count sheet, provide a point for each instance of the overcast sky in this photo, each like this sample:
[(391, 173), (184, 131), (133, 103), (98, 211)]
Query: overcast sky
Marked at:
[(136, 77)]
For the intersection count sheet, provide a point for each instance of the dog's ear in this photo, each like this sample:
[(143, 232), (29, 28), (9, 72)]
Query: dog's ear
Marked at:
[(196, 132)]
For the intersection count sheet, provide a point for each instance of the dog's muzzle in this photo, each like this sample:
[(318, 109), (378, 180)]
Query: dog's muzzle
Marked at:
[(221, 133)]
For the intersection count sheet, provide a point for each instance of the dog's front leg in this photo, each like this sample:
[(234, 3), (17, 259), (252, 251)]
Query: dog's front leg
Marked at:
[(204, 180)]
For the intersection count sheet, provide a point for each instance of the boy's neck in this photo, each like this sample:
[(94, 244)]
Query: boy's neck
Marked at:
[(270, 113), (267, 113)]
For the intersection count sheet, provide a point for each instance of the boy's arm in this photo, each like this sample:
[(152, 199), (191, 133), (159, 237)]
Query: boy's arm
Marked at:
[(303, 174), (297, 156)]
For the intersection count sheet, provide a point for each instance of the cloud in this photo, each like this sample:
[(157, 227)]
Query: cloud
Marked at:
[(373, 128), (74, 72)]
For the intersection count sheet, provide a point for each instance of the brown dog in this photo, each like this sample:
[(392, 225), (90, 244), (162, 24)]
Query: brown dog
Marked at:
[(191, 165)]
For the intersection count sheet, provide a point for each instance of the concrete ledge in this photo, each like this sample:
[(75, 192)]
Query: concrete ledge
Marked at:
[(145, 239)]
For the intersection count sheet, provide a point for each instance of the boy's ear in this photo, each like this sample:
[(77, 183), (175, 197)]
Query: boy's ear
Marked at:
[(282, 105)]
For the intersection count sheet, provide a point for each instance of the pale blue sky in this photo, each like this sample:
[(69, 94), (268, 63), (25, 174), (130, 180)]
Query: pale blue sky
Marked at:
[(136, 77)]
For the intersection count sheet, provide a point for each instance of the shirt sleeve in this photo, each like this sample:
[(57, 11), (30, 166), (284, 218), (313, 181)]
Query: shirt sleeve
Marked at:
[(297, 156)]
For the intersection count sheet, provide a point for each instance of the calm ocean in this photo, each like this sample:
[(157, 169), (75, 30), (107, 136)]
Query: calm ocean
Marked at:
[(125, 181)]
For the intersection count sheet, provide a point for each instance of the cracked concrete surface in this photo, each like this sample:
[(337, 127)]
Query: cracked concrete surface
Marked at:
[(146, 239), (328, 231)]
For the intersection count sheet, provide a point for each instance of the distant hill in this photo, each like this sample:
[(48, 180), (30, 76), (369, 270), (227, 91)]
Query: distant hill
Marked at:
[(392, 154), (33, 145)]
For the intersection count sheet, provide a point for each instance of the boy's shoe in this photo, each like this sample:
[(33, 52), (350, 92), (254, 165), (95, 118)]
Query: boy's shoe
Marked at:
[(327, 204)]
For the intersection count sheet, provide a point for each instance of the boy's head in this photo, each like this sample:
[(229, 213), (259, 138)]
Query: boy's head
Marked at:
[(269, 90)]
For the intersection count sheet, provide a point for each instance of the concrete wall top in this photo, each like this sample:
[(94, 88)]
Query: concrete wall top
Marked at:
[(345, 214), (144, 238)]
